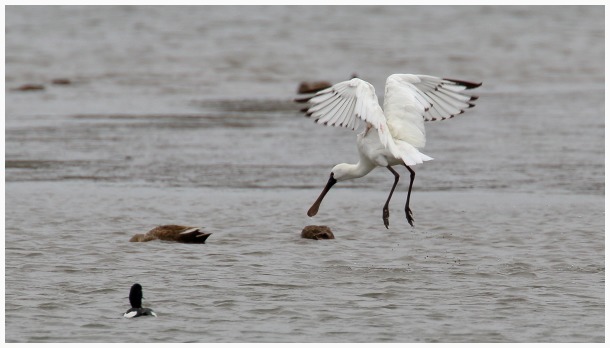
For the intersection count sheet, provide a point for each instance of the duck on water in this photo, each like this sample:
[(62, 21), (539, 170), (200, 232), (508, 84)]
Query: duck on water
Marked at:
[(135, 299), (173, 233)]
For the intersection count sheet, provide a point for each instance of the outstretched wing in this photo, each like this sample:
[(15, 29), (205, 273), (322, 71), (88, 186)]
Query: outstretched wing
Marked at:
[(412, 99), (349, 104)]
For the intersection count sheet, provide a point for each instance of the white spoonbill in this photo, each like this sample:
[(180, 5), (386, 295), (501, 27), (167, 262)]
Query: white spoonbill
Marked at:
[(409, 101)]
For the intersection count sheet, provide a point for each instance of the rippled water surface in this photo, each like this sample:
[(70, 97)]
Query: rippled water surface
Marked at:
[(182, 115)]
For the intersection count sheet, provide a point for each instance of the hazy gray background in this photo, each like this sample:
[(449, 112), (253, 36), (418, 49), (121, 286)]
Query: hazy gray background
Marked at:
[(184, 115)]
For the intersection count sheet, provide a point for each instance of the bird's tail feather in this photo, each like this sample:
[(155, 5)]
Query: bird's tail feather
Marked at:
[(409, 154)]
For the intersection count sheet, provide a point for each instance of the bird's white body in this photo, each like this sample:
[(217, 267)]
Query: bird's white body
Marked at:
[(372, 154), (392, 135)]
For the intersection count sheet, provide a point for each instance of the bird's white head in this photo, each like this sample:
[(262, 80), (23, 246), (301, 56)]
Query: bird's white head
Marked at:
[(342, 171)]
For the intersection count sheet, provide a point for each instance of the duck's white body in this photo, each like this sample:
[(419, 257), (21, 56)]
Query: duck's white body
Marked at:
[(135, 299)]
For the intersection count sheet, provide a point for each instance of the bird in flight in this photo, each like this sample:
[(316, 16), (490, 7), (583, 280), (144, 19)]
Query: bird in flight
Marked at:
[(390, 136)]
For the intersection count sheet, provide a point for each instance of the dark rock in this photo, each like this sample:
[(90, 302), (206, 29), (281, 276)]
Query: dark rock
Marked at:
[(312, 86), (317, 232), (61, 81), (30, 87)]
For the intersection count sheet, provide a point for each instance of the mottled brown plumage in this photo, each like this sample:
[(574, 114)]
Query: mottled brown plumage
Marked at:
[(173, 233)]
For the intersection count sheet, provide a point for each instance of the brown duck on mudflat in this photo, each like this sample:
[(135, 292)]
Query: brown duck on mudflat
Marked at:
[(173, 233)]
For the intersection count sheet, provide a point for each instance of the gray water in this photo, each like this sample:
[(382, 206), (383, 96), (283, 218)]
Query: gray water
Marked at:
[(183, 115)]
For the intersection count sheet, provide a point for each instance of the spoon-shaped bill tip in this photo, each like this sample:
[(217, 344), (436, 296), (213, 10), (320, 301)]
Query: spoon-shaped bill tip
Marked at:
[(313, 210), (316, 205)]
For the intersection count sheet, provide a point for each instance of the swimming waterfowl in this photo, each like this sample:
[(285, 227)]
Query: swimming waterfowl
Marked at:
[(173, 233), (135, 299)]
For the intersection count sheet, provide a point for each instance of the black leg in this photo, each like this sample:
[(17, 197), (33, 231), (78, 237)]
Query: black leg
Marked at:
[(407, 209), (386, 210)]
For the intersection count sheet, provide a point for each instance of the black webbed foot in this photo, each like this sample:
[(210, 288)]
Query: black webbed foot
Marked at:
[(410, 218)]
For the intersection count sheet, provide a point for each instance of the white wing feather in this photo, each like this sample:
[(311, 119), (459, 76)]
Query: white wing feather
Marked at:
[(349, 104), (409, 101), (190, 230), (412, 99)]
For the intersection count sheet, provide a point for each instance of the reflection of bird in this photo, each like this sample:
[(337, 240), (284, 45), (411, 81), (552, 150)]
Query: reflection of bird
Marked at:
[(409, 101), (135, 299), (173, 233)]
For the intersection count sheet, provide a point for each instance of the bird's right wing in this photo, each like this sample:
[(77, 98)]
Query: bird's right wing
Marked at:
[(349, 104)]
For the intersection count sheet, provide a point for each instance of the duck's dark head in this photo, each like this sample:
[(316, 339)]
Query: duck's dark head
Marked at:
[(135, 296)]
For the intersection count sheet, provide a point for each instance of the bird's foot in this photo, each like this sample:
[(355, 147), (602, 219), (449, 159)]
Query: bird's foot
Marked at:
[(386, 217), (410, 218)]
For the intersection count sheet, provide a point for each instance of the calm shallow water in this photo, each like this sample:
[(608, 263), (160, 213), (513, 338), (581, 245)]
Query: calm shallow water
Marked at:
[(184, 115)]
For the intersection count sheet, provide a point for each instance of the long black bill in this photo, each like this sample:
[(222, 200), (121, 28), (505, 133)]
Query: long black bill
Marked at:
[(314, 208)]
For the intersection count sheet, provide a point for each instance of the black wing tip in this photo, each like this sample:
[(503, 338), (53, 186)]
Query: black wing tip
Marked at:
[(474, 97), (467, 84)]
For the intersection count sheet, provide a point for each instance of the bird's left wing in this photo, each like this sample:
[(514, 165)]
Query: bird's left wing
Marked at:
[(412, 99), (437, 98), (349, 104)]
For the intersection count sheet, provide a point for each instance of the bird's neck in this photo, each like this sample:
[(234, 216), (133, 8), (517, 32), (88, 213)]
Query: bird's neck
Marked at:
[(358, 170)]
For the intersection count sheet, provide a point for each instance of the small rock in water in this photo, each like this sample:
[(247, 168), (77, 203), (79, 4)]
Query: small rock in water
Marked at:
[(61, 81), (30, 87), (312, 87), (317, 232)]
